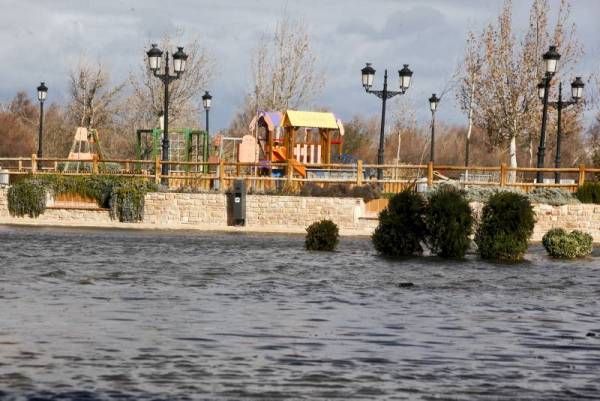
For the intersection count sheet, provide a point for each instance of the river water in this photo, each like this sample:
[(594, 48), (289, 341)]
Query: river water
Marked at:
[(151, 315)]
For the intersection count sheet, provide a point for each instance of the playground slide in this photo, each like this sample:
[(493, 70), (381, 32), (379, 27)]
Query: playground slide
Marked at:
[(296, 165)]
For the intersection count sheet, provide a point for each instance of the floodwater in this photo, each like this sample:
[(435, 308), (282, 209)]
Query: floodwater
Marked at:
[(158, 315)]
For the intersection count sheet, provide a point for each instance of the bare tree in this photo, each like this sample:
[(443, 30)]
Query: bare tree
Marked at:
[(147, 100), (284, 68), (92, 98), (466, 92), (502, 94), (284, 74)]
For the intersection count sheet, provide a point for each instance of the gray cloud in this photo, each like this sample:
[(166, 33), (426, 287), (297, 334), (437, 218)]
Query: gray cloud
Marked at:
[(42, 40)]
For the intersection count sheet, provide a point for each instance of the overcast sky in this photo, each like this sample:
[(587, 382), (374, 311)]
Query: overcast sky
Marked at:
[(43, 39)]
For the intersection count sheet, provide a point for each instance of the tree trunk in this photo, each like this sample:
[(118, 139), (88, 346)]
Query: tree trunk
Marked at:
[(512, 177)]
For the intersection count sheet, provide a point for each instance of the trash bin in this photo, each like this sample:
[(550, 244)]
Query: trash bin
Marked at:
[(239, 203), (4, 176)]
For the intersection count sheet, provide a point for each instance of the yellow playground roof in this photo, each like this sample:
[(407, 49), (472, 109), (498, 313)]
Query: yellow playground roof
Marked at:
[(312, 119)]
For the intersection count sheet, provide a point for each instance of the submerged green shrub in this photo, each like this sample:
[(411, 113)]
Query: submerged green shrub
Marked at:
[(449, 220), (27, 197), (589, 192), (401, 226), (507, 222), (322, 236), (560, 244)]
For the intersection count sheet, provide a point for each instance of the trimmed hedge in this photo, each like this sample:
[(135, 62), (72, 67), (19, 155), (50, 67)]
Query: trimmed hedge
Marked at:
[(449, 220), (367, 192), (401, 226), (589, 192), (322, 236), (123, 195), (507, 222), (560, 244)]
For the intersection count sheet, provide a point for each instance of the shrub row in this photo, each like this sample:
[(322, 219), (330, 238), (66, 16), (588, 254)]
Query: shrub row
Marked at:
[(445, 223), (124, 196)]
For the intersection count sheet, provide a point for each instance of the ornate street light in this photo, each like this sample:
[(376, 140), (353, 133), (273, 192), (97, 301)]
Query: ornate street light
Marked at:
[(42, 92), (433, 103), (154, 63), (206, 102), (550, 58), (576, 94), (367, 75)]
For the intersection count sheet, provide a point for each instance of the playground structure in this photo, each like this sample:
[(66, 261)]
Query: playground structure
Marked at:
[(301, 138), (186, 145), (85, 148)]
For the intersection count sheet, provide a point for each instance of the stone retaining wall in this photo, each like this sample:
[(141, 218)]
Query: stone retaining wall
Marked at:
[(300, 211), (584, 217), (185, 209), (279, 213), (4, 202)]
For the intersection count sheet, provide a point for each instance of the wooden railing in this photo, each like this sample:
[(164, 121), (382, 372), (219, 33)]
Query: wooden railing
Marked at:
[(260, 177)]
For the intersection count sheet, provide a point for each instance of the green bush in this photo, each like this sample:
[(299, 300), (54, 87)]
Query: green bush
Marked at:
[(573, 245), (507, 222), (27, 197), (401, 226), (322, 236), (127, 201), (449, 220), (589, 192)]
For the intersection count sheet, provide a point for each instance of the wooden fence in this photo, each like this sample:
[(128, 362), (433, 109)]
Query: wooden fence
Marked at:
[(264, 177)]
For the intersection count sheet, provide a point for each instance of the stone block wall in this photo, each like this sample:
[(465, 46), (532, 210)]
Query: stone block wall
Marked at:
[(4, 202), (300, 211), (584, 217), (170, 209), (279, 213)]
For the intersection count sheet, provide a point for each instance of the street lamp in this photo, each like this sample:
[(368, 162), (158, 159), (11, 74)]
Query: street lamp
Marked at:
[(550, 58), (576, 94), (433, 103), (154, 62), (206, 102), (368, 74), (42, 91)]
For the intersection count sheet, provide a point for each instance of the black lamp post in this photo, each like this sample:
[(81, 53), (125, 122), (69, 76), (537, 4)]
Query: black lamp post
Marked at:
[(576, 94), (368, 73), (42, 91), (433, 103), (154, 60), (206, 102), (551, 58)]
